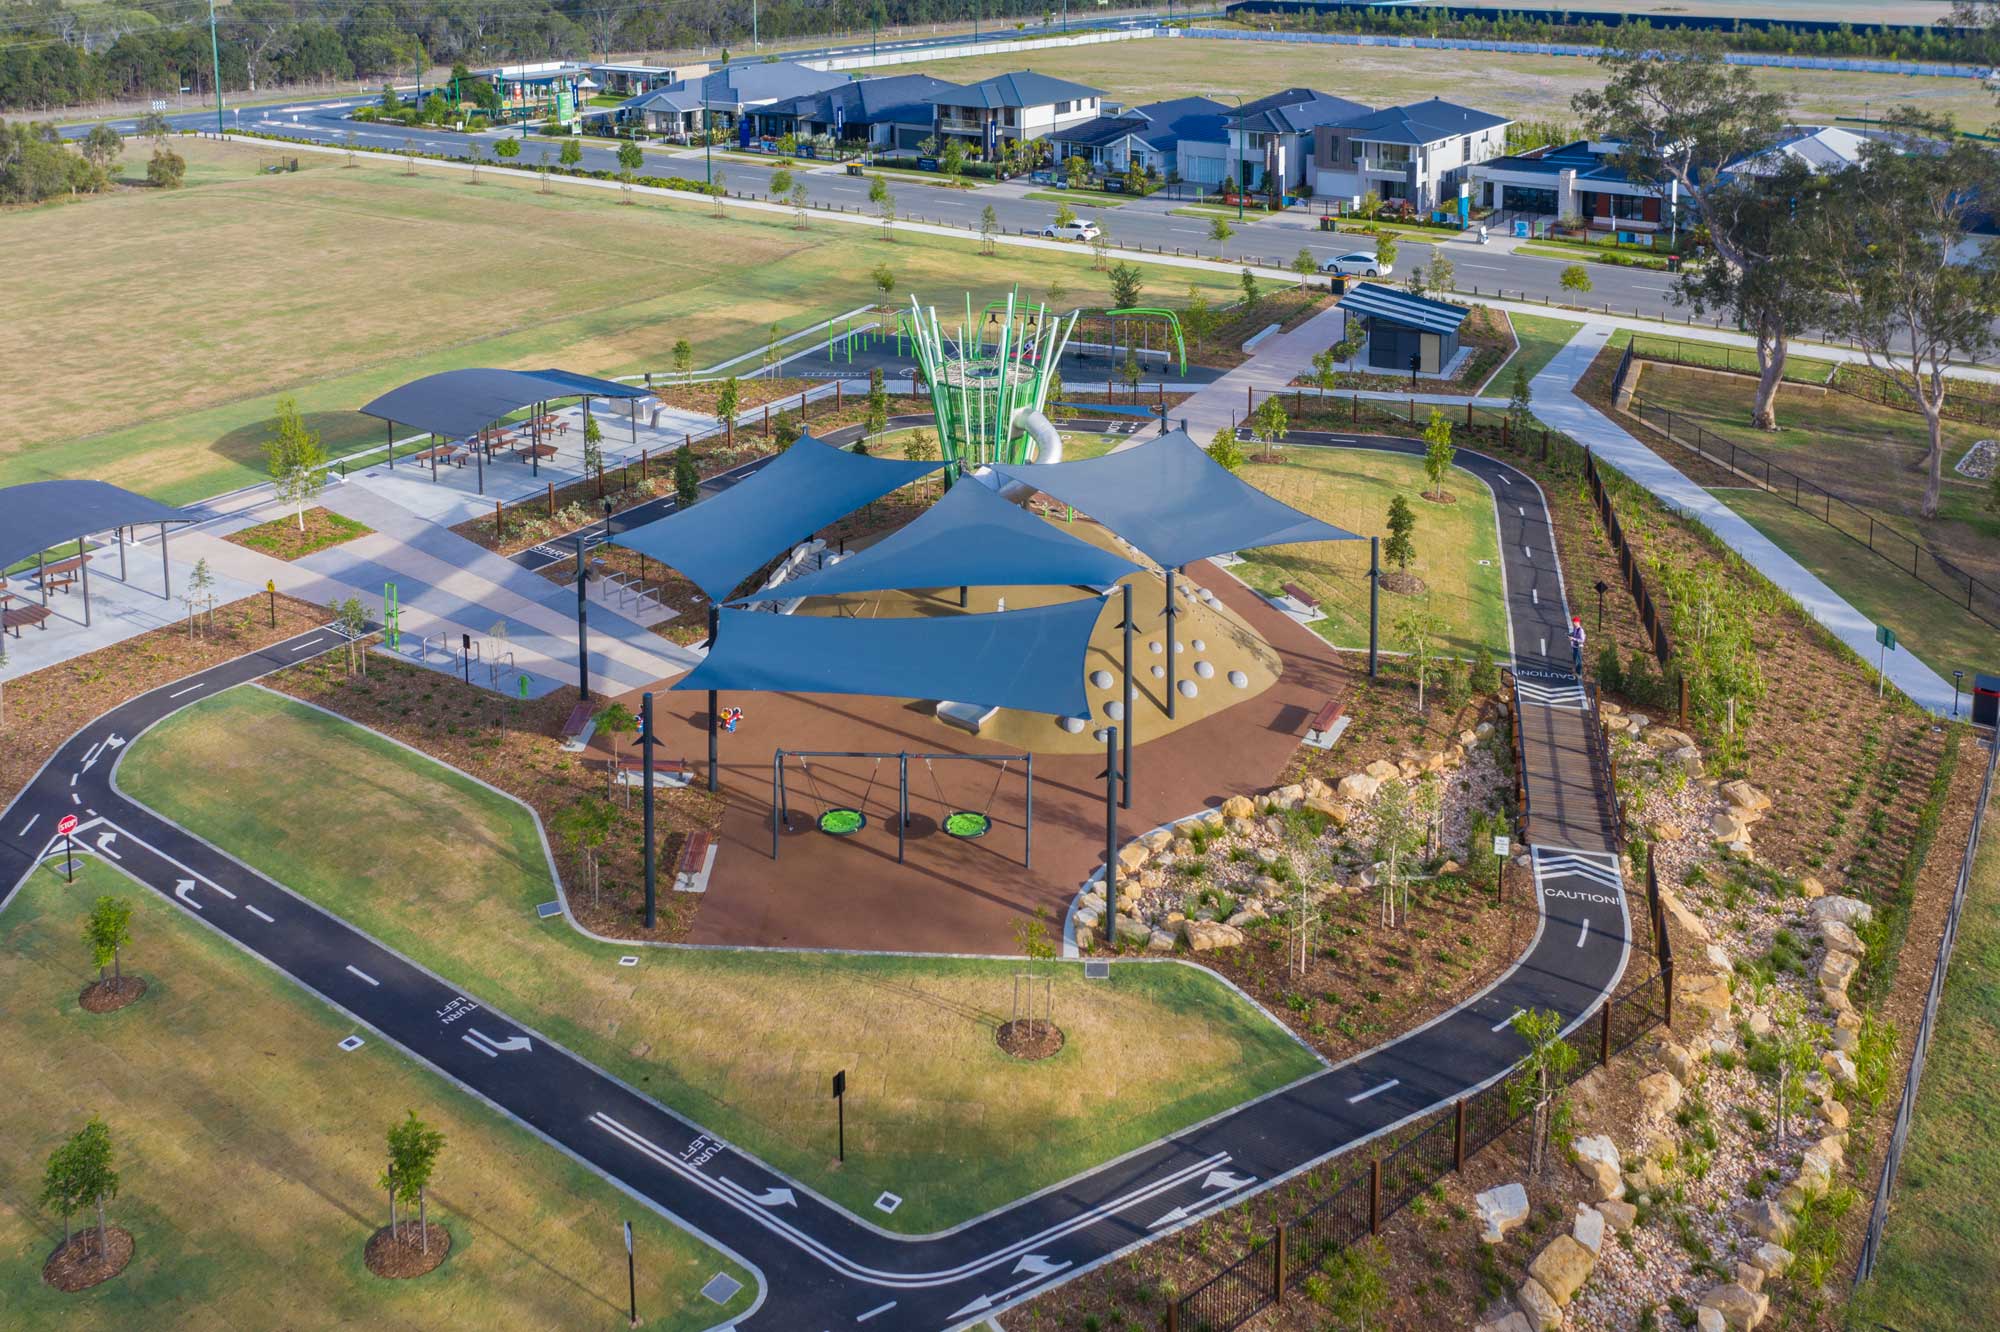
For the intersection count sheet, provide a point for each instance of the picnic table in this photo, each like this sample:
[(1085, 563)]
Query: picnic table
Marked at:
[(14, 618), (62, 575)]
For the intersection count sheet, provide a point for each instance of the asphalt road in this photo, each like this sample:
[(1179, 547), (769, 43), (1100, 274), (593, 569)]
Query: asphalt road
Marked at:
[(822, 1266)]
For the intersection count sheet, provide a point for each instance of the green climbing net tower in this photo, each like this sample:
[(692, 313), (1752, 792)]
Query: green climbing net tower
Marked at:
[(986, 375)]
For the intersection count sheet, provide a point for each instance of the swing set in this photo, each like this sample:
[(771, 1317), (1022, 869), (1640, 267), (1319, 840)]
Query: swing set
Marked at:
[(837, 820)]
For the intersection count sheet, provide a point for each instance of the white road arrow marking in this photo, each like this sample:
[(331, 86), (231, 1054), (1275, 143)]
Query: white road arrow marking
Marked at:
[(1222, 1179), (1168, 1218), (104, 846), (1038, 1265), (183, 889), (772, 1197), (511, 1043), (1583, 933), (114, 741)]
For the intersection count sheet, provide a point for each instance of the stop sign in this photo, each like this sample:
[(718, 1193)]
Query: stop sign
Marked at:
[(66, 825)]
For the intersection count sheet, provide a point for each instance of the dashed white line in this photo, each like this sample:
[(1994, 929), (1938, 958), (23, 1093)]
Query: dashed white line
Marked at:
[(1508, 1021), (1545, 649), (878, 1309), (363, 975), (1527, 550), (75, 799), (189, 690), (1359, 1097), (258, 914), (72, 778), (29, 824), (1522, 511), (1583, 933), (1536, 593), (303, 646)]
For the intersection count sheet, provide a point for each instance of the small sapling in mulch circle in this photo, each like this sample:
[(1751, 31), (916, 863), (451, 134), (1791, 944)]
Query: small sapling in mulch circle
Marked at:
[(1032, 1033)]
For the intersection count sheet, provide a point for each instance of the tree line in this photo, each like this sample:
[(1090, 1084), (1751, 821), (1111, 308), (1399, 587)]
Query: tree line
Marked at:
[(56, 54)]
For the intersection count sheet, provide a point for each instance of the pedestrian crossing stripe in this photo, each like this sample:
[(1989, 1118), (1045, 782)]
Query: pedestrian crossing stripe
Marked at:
[(1569, 698)]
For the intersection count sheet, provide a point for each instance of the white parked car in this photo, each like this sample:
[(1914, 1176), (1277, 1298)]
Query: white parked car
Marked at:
[(1358, 264), (1083, 229)]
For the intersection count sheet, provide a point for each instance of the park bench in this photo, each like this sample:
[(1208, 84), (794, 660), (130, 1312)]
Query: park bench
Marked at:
[(1326, 725), (578, 727), (14, 617), (1300, 595), (666, 772), (691, 869)]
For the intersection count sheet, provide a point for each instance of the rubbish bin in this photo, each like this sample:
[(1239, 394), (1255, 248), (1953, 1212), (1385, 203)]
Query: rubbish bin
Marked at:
[(1326, 223), (854, 168)]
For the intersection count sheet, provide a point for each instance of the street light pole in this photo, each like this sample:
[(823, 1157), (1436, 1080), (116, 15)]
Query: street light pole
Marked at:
[(707, 134), (215, 64), (1236, 182)]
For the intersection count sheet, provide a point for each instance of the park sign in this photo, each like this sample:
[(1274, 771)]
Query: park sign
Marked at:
[(1886, 637), (66, 825)]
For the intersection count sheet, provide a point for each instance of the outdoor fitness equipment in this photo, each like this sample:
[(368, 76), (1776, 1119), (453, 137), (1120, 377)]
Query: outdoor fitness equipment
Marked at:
[(966, 823), (845, 821), (988, 379)]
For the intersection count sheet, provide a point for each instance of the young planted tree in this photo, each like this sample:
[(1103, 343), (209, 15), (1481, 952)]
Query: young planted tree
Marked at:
[(989, 227), (1520, 415), (615, 721), (781, 183), (885, 283), (1128, 283), (1422, 630), (728, 399), (1540, 1085), (1100, 248), (921, 446), (1064, 215), (719, 191), (798, 201), (1575, 279), (586, 824), (885, 210), (1131, 372), (350, 621), (106, 930), (1271, 424), (1909, 285), (593, 451), (1031, 937), (414, 1148), (1225, 449), (1680, 111), (1385, 249), (683, 355), (1440, 278), (1438, 455), (1304, 265), (1326, 369), (1356, 1289), (630, 158), (687, 479), (1794, 1045), (1220, 231), (785, 430), (79, 1174), (198, 596), (878, 404), (1251, 295), (773, 339), (952, 161), (1397, 836), (1399, 549), (296, 461), (1198, 319), (1055, 293)]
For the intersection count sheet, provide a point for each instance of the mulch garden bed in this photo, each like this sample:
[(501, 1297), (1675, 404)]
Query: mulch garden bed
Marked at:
[(407, 1251), (79, 1265), (46, 707), (511, 744), (1029, 1040), (111, 994), (284, 538)]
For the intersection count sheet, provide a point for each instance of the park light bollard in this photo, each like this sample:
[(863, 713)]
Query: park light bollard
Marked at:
[(1111, 784), (646, 775)]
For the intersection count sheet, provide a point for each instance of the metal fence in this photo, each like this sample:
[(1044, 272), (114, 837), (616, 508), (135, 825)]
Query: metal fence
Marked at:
[(1628, 567), (1844, 516), (1871, 1241), (1275, 1264)]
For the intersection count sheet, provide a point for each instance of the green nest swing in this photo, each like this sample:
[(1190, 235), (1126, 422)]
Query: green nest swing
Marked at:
[(841, 821), (967, 823)]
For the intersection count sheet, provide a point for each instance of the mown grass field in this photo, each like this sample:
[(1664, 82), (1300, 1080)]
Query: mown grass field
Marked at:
[(743, 1043), (1937, 1269), (249, 1146), (163, 326), (1541, 338), (1351, 488), (1527, 87)]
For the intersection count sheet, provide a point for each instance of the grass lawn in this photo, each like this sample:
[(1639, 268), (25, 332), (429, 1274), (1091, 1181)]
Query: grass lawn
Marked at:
[(1720, 356), (1869, 454), (1595, 254), (1521, 85), (1085, 199), (740, 1042), (1351, 489), (200, 306), (288, 539), (1940, 631), (249, 1147), (1937, 1269), (1541, 337)]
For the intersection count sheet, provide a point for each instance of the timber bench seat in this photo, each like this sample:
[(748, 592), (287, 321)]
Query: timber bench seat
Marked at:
[(578, 726), (694, 853), (1300, 595), (1326, 725), (15, 616)]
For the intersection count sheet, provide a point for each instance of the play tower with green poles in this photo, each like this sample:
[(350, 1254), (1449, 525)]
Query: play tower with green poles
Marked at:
[(988, 376)]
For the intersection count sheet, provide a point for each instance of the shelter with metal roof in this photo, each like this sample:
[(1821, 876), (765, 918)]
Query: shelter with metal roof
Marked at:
[(462, 404), (39, 517), (971, 537), (1406, 332), (721, 541)]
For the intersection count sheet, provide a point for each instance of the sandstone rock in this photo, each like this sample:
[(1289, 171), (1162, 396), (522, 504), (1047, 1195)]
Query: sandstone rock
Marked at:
[(1750, 1277), (1086, 938), (1687, 758), (1740, 1309), (1836, 1114), (1815, 1173), (1775, 1259), (1838, 969), (1483, 730), (1588, 1228), (1089, 920), (1337, 813), (1791, 1200), (1760, 1024), (1762, 1218), (1620, 1216), (1846, 1039), (1204, 936), (1512, 1321), (1846, 910), (1131, 856), (1597, 1161), (1745, 796), (1161, 941), (1562, 1268), (1244, 917), (1660, 1094), (1468, 738), (1681, 916), (1841, 938), (1238, 807), (1289, 796), (1540, 1307), (1680, 1061), (1708, 990), (1666, 832), (1314, 787), (1666, 738), (1811, 887), (1158, 840), (1382, 770), (1358, 786), (1709, 1320), (1646, 1177), (1500, 1210), (1726, 827), (1128, 930)]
